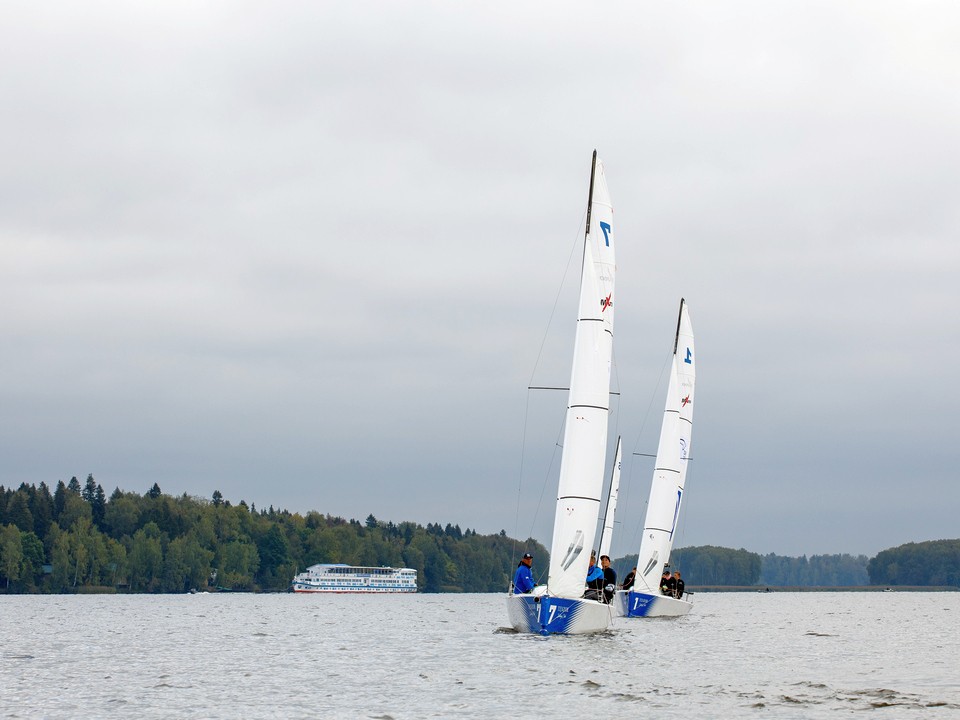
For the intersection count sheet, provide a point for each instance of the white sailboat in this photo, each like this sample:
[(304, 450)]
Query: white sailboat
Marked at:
[(666, 491), (559, 606)]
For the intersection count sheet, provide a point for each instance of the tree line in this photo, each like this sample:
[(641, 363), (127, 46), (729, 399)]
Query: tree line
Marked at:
[(76, 539), (935, 563), (706, 565)]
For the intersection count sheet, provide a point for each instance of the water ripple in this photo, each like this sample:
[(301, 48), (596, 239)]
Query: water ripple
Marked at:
[(778, 655)]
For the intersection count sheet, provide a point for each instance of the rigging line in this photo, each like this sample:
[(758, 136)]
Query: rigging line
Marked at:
[(556, 300), (640, 517), (553, 311), (526, 414), (543, 488), (638, 528), (523, 445), (653, 396)]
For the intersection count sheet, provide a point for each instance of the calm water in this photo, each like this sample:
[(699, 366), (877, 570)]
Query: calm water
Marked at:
[(773, 655)]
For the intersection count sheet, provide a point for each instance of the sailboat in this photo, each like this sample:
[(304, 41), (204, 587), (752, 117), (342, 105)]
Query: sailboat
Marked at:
[(559, 606), (666, 491)]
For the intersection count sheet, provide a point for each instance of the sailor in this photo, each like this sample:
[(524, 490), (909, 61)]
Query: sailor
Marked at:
[(609, 578), (595, 581), (678, 585), (628, 580), (665, 583), (523, 578)]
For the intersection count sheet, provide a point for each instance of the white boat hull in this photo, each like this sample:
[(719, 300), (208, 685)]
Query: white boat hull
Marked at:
[(340, 578), (639, 604), (341, 591), (546, 615)]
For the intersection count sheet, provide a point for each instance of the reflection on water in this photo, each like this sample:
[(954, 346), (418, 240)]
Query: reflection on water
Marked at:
[(785, 655)]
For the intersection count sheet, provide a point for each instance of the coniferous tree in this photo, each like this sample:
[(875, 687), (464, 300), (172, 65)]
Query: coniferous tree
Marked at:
[(59, 499), (42, 510), (273, 550), (98, 507), (18, 511), (89, 489)]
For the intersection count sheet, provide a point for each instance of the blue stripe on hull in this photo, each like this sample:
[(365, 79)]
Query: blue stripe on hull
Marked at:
[(639, 604), (558, 616), (546, 615), (530, 621)]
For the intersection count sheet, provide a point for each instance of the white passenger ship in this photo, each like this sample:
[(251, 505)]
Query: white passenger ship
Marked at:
[(336, 578)]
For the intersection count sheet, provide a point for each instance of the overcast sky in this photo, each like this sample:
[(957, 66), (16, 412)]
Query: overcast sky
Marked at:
[(307, 254)]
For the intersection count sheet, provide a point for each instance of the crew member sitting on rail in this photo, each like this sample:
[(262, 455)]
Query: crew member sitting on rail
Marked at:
[(595, 581), (523, 578)]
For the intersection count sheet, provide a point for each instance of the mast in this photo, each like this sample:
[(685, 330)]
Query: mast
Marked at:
[(593, 171), (586, 233), (676, 336)]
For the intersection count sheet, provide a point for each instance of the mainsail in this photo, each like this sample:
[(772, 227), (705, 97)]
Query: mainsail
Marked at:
[(673, 453), (585, 432)]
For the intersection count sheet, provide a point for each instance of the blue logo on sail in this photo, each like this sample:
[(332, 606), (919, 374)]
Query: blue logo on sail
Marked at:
[(676, 511), (606, 232)]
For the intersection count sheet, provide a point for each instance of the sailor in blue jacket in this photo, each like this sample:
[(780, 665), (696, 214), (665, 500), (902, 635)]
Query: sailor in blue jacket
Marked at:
[(594, 575), (523, 578), (594, 579)]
